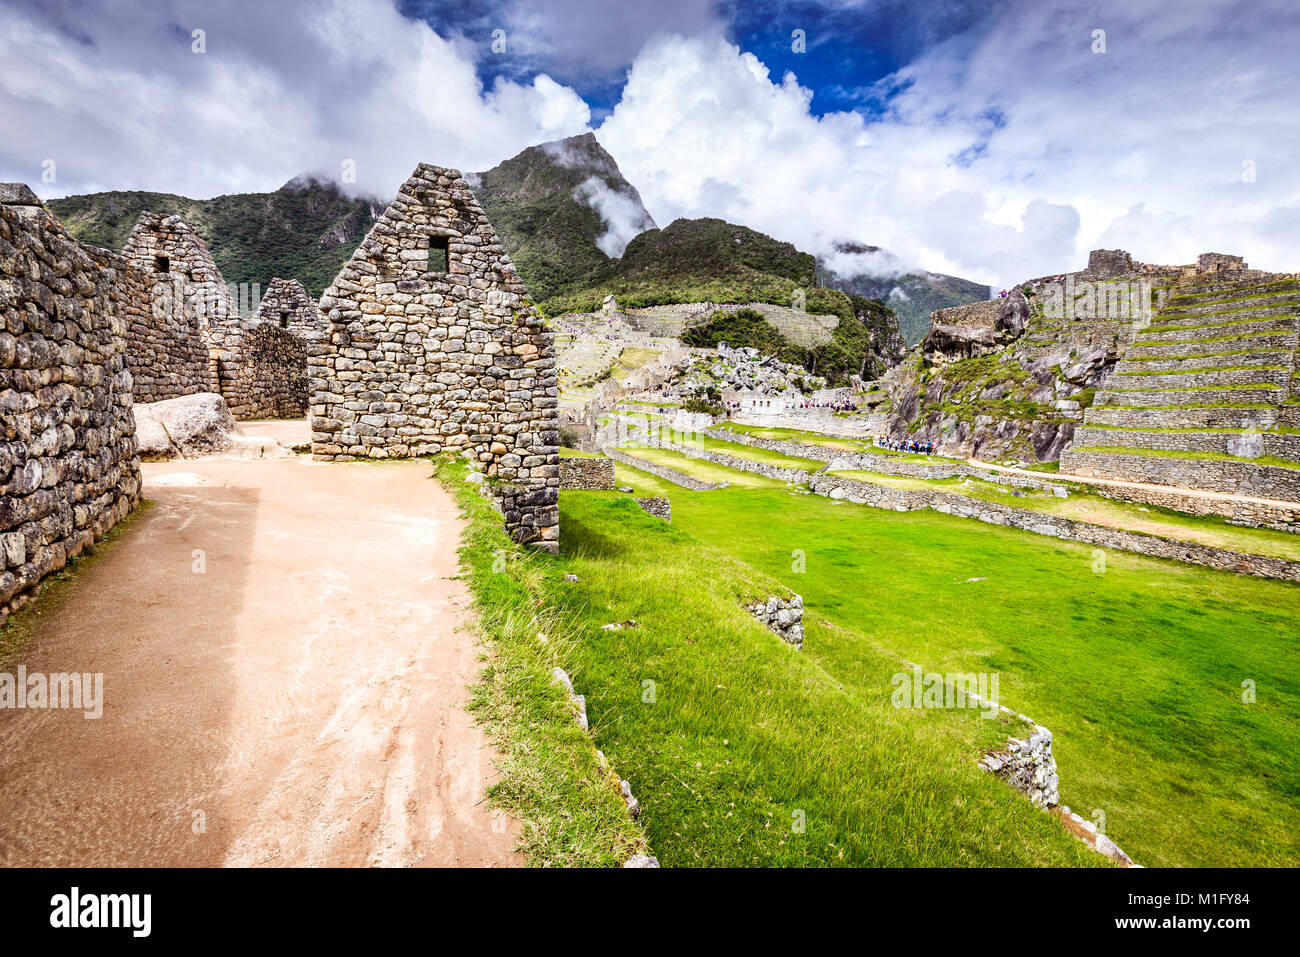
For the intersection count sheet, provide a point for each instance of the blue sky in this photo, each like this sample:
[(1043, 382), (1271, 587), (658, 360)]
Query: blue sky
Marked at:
[(998, 140)]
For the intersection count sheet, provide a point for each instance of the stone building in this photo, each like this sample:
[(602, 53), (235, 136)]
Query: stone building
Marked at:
[(286, 304), (434, 344), (258, 367), (68, 464)]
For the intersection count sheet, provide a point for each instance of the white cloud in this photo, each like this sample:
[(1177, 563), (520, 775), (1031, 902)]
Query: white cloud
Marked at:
[(1004, 153), (283, 88)]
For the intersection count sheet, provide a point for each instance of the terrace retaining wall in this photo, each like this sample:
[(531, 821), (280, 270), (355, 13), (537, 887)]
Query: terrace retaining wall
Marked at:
[(904, 500)]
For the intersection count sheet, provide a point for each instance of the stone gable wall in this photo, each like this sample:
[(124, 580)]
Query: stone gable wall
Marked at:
[(68, 465), (287, 305), (268, 378), (165, 348), (418, 360)]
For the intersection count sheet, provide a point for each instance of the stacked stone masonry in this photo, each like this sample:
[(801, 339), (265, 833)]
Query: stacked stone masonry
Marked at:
[(663, 471), (657, 506), (287, 304), (585, 473), (1207, 392), (434, 344), (258, 367), (68, 465)]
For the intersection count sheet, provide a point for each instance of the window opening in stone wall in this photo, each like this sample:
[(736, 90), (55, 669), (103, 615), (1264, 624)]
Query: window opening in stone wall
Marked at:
[(284, 320), (438, 258), (162, 264)]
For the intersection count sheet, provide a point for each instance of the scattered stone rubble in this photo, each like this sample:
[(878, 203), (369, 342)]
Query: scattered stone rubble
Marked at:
[(782, 616)]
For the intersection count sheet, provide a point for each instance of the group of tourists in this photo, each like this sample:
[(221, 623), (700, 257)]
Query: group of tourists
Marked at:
[(905, 445), (833, 406)]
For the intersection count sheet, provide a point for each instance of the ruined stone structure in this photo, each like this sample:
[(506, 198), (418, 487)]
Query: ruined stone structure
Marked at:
[(68, 465), (433, 344), (258, 367), (286, 304)]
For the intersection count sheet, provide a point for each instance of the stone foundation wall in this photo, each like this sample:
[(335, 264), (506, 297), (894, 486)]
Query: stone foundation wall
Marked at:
[(1282, 517), (68, 465), (434, 344), (797, 476), (901, 500), (824, 421), (583, 473), (1215, 475)]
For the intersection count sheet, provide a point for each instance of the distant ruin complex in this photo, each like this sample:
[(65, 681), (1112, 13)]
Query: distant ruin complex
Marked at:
[(433, 344)]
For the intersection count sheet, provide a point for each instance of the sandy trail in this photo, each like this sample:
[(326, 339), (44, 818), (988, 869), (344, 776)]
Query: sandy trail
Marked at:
[(284, 682)]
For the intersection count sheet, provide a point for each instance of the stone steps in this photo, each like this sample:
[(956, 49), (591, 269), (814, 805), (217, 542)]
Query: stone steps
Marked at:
[(1208, 293), (1234, 476), (1246, 303), (1282, 343)]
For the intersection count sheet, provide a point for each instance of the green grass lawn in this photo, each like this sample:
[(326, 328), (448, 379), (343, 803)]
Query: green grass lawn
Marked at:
[(1138, 670), (749, 452)]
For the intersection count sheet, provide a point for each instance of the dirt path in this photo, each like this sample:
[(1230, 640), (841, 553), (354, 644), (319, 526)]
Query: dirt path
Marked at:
[(284, 683)]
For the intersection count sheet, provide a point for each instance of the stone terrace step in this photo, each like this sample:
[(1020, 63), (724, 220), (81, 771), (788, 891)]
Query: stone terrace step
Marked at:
[(1184, 418), (1218, 292), (1192, 320), (1239, 477), (1280, 445), (1268, 395), (1255, 376), (1279, 342), (1231, 301), (1230, 360), (1273, 324)]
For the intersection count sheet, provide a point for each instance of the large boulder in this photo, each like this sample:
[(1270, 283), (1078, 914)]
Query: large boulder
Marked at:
[(1013, 315), (196, 426), (959, 342)]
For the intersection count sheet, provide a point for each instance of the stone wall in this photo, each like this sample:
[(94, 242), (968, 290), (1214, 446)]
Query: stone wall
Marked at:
[(905, 500), (797, 476), (584, 473), (287, 305), (267, 379), (663, 471), (1233, 476), (656, 506), (165, 349), (434, 344), (1280, 516), (259, 368), (824, 421), (68, 465)]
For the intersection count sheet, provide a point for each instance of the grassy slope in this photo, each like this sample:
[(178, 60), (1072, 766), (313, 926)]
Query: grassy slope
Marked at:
[(1137, 671), (744, 735)]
